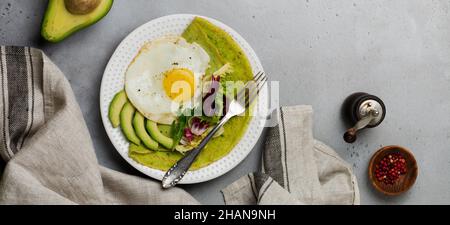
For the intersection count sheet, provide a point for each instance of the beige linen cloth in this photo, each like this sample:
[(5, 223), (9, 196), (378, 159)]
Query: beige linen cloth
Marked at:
[(296, 169), (48, 156)]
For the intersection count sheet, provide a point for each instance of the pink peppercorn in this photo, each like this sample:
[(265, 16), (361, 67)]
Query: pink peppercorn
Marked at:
[(390, 168)]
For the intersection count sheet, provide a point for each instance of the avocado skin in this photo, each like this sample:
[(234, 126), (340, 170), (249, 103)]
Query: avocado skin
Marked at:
[(139, 128), (115, 108), (126, 117), (156, 134), (47, 31)]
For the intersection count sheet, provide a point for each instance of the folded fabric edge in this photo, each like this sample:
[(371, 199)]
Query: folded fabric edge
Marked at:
[(20, 97)]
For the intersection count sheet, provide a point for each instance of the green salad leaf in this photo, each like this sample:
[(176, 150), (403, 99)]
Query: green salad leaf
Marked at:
[(177, 129), (184, 119)]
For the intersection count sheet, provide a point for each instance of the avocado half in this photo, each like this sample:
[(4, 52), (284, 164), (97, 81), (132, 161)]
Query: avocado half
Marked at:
[(59, 22)]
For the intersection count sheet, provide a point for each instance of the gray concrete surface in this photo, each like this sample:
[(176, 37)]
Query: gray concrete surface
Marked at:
[(320, 51)]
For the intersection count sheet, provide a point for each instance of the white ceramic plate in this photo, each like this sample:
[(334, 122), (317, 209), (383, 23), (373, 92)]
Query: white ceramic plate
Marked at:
[(113, 82)]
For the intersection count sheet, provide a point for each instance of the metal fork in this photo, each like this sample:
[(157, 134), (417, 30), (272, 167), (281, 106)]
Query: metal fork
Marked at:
[(249, 93)]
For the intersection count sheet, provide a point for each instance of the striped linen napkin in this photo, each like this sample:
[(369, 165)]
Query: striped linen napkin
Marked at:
[(296, 168), (45, 143)]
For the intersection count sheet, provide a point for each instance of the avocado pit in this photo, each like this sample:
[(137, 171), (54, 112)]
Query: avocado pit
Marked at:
[(81, 7)]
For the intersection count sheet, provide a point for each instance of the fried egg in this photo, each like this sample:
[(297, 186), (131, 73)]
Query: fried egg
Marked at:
[(166, 77)]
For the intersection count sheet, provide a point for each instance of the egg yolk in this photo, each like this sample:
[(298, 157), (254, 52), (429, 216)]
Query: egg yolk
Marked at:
[(179, 84)]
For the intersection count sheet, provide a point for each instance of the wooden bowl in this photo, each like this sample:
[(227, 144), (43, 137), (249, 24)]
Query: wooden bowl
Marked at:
[(405, 182)]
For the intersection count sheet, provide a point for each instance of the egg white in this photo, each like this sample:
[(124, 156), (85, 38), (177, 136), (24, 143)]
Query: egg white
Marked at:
[(144, 77)]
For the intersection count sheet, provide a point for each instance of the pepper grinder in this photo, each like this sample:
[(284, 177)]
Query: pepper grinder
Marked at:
[(363, 110)]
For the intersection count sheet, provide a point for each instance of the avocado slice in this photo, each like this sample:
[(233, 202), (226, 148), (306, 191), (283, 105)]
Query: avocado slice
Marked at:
[(165, 129), (115, 108), (139, 128), (59, 22), (126, 117), (156, 134)]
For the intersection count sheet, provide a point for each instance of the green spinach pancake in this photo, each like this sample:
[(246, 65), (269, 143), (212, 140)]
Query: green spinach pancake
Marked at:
[(222, 49)]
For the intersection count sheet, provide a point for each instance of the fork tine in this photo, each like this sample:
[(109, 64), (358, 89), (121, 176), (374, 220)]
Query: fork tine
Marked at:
[(258, 88), (248, 86), (258, 76), (252, 89)]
